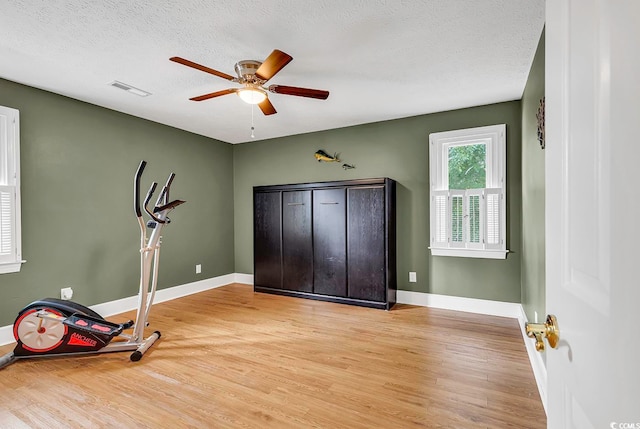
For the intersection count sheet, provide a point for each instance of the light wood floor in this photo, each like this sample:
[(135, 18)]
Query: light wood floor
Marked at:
[(229, 358)]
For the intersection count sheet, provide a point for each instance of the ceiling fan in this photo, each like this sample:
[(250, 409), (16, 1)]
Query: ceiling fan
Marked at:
[(253, 75)]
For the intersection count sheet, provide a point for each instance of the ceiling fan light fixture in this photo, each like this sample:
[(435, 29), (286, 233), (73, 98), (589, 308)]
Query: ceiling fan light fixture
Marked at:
[(252, 95)]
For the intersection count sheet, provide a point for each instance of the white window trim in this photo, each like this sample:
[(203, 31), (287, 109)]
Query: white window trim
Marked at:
[(10, 184), (494, 138)]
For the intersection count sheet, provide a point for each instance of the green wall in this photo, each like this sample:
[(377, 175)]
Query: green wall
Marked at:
[(397, 149), (533, 243), (78, 227)]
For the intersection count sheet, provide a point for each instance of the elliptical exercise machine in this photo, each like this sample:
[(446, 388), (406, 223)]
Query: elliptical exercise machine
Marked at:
[(54, 327)]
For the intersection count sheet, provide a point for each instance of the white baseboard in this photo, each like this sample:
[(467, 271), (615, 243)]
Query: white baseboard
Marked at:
[(492, 308), (535, 358), (118, 306), (457, 303), (131, 303), (246, 279), (6, 335)]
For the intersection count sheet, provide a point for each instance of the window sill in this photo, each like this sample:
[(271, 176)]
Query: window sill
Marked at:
[(469, 253), (11, 267)]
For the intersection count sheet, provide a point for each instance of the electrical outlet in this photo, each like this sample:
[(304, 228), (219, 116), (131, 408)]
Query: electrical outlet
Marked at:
[(412, 277), (198, 268), (66, 293)]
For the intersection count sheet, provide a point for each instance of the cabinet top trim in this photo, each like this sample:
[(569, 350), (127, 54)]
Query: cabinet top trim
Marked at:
[(315, 185)]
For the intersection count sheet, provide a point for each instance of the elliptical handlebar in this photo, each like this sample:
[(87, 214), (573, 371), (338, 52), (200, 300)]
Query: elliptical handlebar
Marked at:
[(152, 189), (164, 195), (162, 203), (136, 188)]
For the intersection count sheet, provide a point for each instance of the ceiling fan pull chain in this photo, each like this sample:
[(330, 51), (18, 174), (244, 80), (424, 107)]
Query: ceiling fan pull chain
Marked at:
[(252, 135)]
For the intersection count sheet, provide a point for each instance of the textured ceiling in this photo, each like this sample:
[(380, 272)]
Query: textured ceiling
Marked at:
[(379, 59)]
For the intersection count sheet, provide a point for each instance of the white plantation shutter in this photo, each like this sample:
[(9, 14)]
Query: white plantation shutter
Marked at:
[(456, 218), (474, 216), (494, 228), (10, 245), (7, 231), (439, 219), (467, 219)]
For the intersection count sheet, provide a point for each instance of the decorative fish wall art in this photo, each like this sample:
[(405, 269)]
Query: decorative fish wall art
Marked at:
[(322, 156)]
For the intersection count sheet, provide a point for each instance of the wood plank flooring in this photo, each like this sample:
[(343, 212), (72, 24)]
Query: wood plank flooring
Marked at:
[(229, 358)]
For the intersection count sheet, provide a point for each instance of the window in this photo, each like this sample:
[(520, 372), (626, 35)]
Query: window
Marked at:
[(467, 184), (10, 243)]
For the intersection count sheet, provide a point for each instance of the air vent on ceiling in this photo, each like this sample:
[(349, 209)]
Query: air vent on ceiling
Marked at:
[(129, 88)]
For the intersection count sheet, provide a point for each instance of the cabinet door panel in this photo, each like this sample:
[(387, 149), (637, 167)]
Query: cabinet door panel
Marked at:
[(329, 242), (297, 245), (267, 240), (366, 243)]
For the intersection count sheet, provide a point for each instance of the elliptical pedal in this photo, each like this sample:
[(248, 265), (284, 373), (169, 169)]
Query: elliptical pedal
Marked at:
[(94, 325)]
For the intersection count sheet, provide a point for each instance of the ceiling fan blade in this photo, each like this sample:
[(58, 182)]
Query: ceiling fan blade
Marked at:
[(214, 94), (300, 92), (201, 68), (273, 64), (266, 107)]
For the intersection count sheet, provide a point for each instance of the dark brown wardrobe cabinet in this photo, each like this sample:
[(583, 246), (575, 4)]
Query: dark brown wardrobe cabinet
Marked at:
[(331, 241)]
